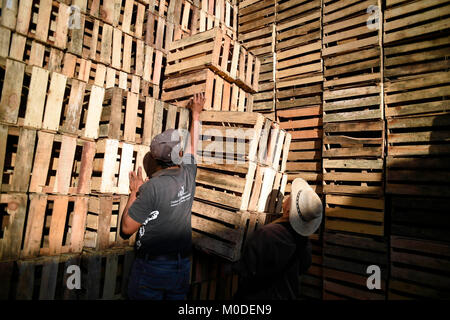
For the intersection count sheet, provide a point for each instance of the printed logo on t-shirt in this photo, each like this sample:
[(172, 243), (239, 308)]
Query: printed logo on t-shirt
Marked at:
[(152, 216), (182, 197)]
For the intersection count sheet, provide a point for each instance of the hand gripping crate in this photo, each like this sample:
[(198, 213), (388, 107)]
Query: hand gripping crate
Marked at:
[(112, 164), (16, 158), (103, 223), (13, 208), (62, 164), (55, 225)]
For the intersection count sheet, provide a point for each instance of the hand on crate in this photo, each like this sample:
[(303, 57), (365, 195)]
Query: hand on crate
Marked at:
[(136, 181), (196, 103)]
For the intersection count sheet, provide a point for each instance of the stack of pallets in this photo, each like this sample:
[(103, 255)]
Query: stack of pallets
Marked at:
[(256, 20), (353, 150), (240, 179), (213, 63), (80, 83), (417, 79)]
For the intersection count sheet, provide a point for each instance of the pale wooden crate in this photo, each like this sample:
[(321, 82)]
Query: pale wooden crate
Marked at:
[(104, 216), (112, 164), (62, 164), (55, 225)]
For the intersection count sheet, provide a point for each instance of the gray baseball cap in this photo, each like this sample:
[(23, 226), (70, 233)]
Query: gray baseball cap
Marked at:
[(166, 146)]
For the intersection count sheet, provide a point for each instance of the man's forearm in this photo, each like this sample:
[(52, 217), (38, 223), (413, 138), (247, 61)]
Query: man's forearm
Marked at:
[(194, 133), (132, 197)]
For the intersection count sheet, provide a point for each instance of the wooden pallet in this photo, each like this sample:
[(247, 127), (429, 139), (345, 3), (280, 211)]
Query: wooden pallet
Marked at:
[(351, 43), (353, 139), (357, 215), (43, 278), (16, 158), (13, 213), (419, 217), (55, 225), (112, 164), (353, 176), (22, 49), (217, 231), (419, 269), (219, 93), (358, 103), (106, 274), (160, 33), (104, 216), (62, 164), (422, 95), (45, 21), (219, 13), (345, 262)]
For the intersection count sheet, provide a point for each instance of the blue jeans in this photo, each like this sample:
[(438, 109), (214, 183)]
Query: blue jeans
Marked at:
[(159, 280)]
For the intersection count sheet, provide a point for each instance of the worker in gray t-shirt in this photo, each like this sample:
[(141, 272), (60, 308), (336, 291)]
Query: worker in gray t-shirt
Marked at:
[(159, 209)]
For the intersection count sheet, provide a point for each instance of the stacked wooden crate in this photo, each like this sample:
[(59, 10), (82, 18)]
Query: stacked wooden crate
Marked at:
[(212, 63), (353, 150), (78, 109), (417, 79), (256, 21), (298, 105), (240, 179)]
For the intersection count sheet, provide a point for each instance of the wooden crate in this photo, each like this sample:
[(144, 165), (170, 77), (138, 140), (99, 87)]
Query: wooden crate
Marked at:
[(356, 215), (358, 103), (351, 43), (62, 164), (12, 222), (181, 12), (13, 90), (230, 137), (219, 93), (105, 274), (254, 15), (217, 231), (409, 20), (290, 10), (22, 49), (420, 95), (44, 278), (419, 269), (345, 262), (264, 99), (55, 225), (353, 176), (311, 282), (103, 223), (419, 217), (16, 158), (167, 116), (305, 153), (46, 21), (112, 164), (353, 139), (8, 14)]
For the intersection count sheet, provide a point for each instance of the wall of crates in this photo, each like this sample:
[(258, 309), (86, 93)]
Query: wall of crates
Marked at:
[(355, 105)]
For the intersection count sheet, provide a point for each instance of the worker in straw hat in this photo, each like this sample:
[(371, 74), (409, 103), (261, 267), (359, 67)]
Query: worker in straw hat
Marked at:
[(277, 253)]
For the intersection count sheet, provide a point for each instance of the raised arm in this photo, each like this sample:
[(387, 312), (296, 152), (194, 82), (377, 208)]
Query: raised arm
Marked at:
[(196, 105)]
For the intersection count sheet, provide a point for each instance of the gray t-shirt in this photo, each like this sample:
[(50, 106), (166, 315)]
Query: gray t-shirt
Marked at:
[(163, 207)]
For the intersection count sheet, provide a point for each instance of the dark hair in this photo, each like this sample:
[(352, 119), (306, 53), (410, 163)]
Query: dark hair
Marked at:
[(164, 164)]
